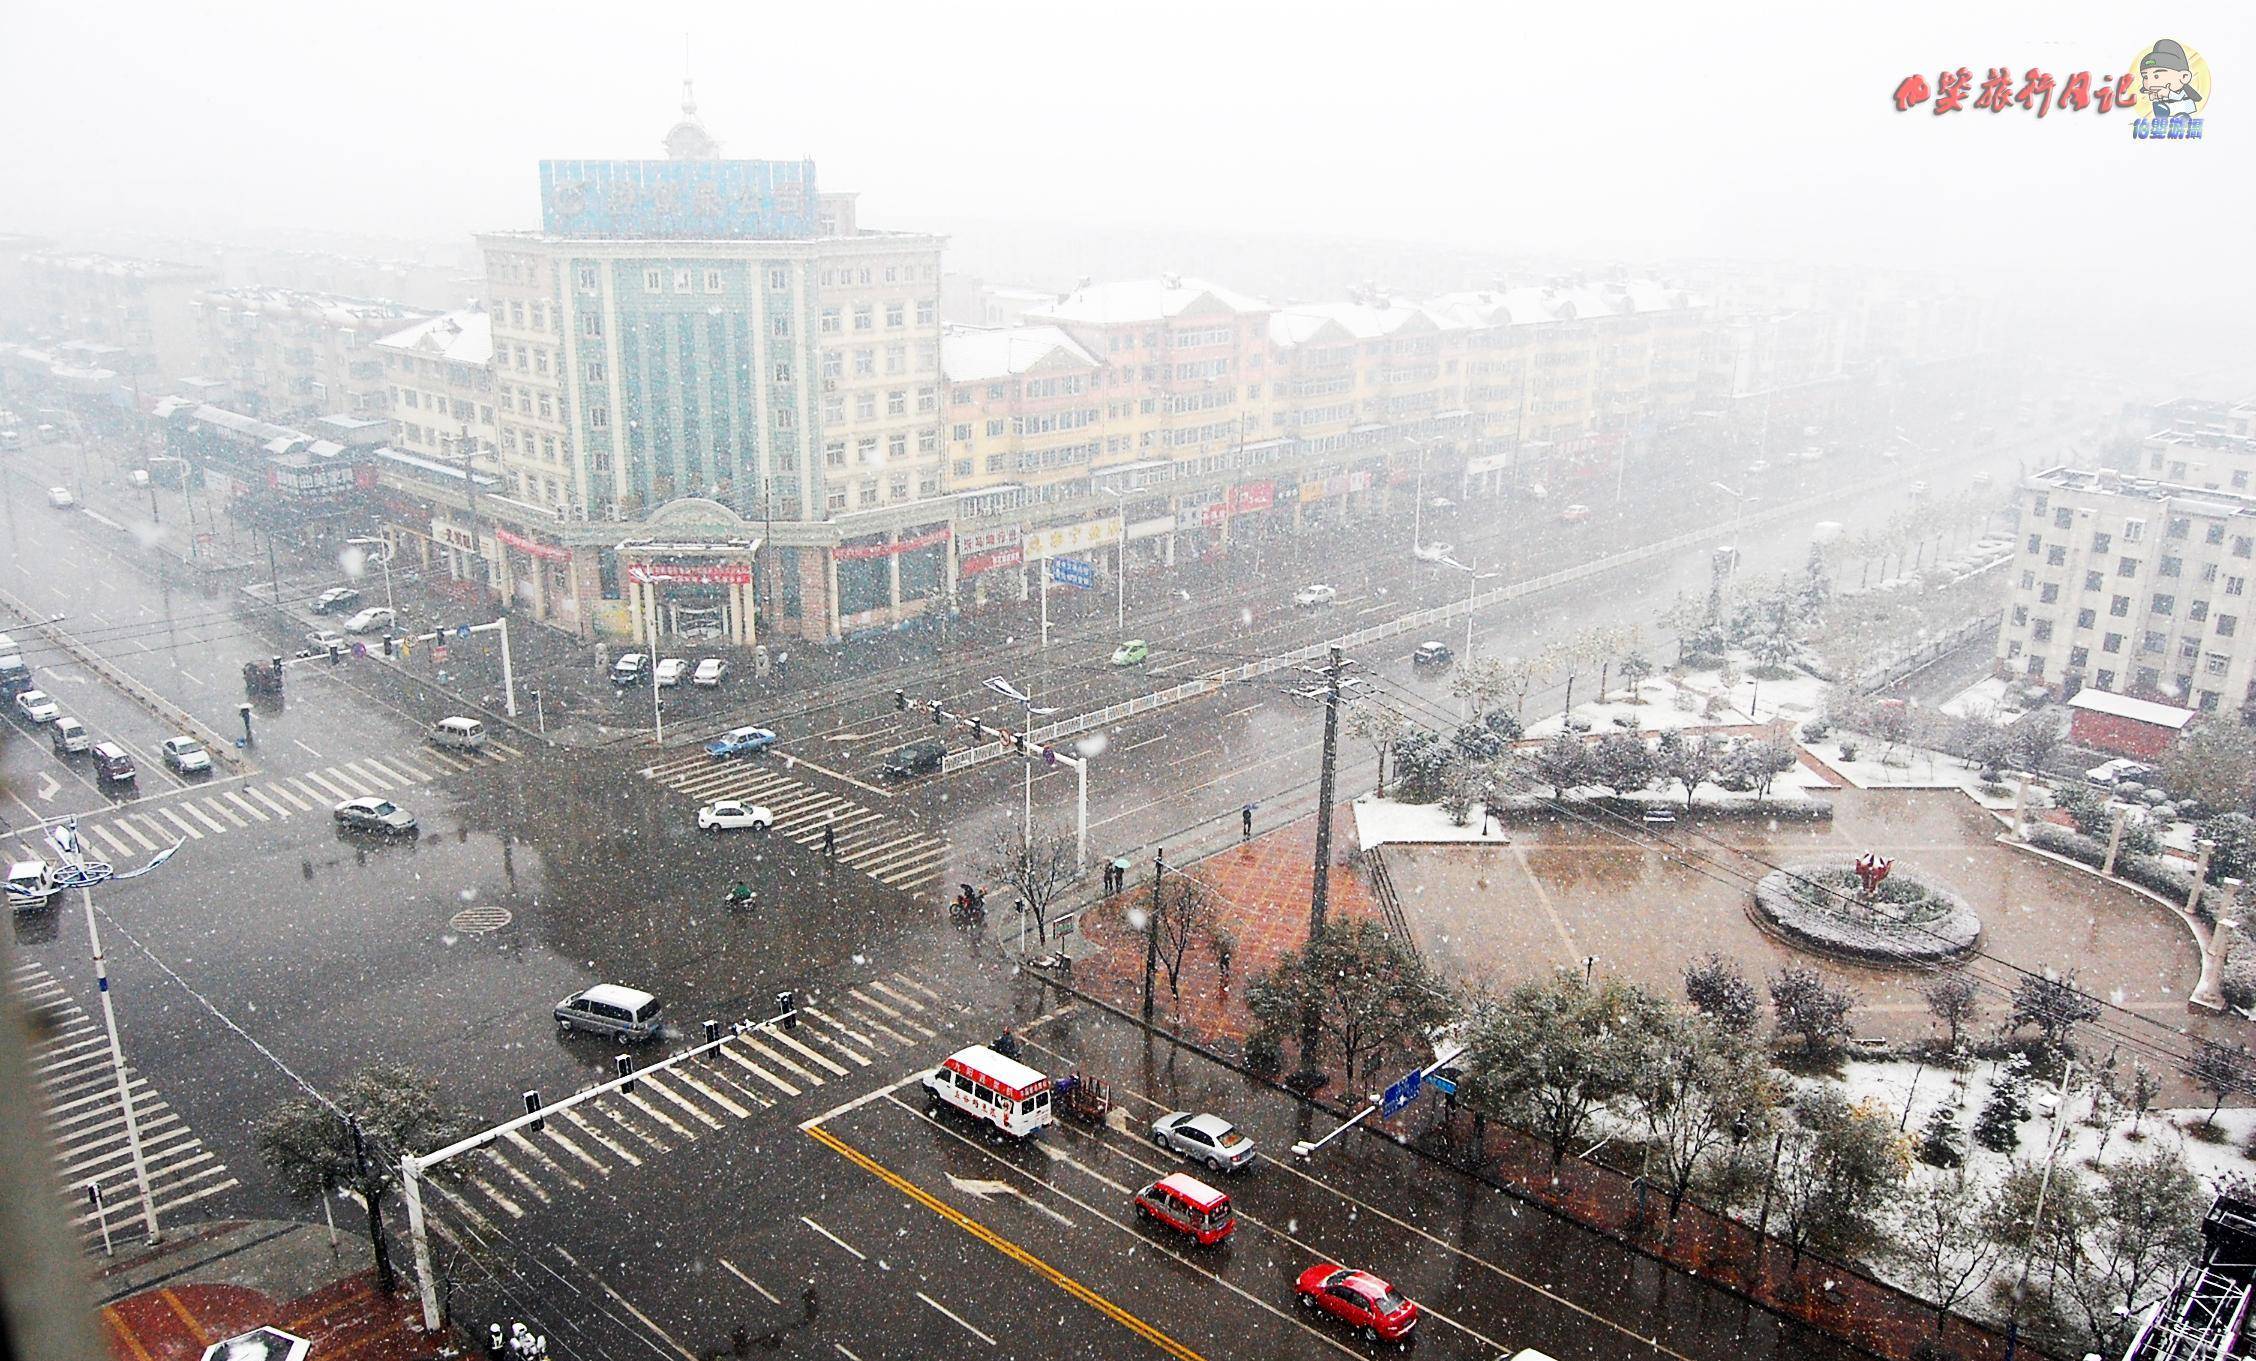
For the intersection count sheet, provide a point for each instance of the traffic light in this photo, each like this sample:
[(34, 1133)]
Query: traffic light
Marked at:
[(336, 654), (391, 645), (1018, 740), (278, 675), (978, 731), (937, 717), (901, 699)]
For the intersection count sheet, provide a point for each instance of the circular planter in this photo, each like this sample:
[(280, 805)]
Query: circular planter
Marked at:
[(1818, 906)]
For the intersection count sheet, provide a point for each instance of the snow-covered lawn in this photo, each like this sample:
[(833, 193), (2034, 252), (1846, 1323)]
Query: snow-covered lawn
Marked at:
[(1380, 821), (1909, 767), (1994, 697), (1699, 700)]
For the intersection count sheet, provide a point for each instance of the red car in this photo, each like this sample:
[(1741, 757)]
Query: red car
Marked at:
[(1361, 1299)]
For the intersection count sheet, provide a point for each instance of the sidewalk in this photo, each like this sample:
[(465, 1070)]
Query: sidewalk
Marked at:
[(225, 1278)]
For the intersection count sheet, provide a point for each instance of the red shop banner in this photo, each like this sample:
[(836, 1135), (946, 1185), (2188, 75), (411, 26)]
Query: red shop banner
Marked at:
[(548, 551), (988, 562), (887, 550), (1252, 496), (686, 574)]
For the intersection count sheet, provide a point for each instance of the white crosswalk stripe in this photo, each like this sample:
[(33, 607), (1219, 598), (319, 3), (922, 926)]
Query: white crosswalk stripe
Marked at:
[(746, 1077), (215, 811), (87, 1124), (865, 840)]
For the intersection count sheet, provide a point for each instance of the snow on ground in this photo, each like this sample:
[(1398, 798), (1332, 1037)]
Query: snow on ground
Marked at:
[(1995, 697), (1909, 767), (1699, 699), (1380, 821)]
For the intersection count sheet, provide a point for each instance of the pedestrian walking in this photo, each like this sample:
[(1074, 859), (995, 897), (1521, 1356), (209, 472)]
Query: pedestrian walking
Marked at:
[(810, 1301), (783, 665), (1245, 823), (830, 839)]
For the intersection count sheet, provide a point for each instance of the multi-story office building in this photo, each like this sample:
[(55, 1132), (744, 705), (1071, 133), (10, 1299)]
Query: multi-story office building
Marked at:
[(438, 389), (2135, 586), (292, 356)]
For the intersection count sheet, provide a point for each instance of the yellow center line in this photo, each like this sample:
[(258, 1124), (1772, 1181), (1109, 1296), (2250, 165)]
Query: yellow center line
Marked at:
[(1003, 1245)]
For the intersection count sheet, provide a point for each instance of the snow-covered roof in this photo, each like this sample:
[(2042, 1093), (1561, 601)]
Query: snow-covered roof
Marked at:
[(2123, 706), (974, 354), (337, 309), (464, 337), (1525, 305), (1154, 299), (1300, 323)]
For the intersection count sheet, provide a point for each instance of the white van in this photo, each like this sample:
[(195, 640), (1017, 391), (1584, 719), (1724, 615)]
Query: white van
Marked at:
[(31, 883), (608, 1009), (1000, 1091), (459, 734), (69, 736)]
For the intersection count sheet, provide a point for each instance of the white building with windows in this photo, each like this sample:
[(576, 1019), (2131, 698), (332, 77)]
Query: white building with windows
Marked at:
[(2136, 586)]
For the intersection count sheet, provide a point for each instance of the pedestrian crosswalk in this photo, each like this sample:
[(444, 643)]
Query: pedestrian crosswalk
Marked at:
[(837, 1038), (867, 841), (71, 1070), (136, 829)]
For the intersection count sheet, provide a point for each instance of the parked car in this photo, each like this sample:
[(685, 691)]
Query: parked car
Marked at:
[(727, 815), (711, 671), (1317, 594), (2119, 771), (321, 640), (113, 764), (369, 620), (1130, 653), (1432, 552), (374, 815), (632, 668), (1203, 1138), (1574, 515), (740, 742), (1431, 654), (37, 706), (185, 754), (60, 498), (138, 478), (670, 672), (335, 600), (1189, 1206), (1359, 1299)]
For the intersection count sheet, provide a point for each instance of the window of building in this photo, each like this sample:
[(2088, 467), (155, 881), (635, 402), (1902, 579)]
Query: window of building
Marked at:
[(2133, 530), (2036, 541), (897, 402), (2049, 593), (2209, 701), (2020, 615), (784, 418), (863, 316), (653, 280), (928, 442), (928, 401), (2107, 680), (681, 280), (2056, 556), (2119, 606), (2189, 648), (591, 325), (2063, 517), (897, 487), (588, 279), (783, 374), (865, 450), (835, 498), (2112, 642), (865, 406), (896, 359), (2197, 610), (832, 364), (516, 314), (924, 312), (834, 408), (865, 363), (2170, 567), (595, 372), (599, 417), (897, 444), (2042, 632), (962, 432), (2093, 581), (2086, 618), (779, 325), (2214, 534), (2153, 642), (2126, 567), (2101, 541), (2178, 526), (834, 454), (2079, 657), (2235, 585), (2226, 624), (830, 321), (2164, 604), (896, 314), (994, 429), (548, 448), (779, 279)]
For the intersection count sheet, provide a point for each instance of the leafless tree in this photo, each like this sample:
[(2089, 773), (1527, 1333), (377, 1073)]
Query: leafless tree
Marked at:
[(1379, 727), (1038, 873), (1187, 915)]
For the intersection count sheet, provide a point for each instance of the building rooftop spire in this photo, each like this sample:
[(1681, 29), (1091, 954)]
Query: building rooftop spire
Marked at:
[(688, 140)]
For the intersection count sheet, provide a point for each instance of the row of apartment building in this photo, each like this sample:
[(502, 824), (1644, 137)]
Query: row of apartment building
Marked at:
[(701, 392)]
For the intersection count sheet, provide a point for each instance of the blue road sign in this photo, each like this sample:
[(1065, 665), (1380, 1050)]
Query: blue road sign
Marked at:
[(1073, 572), (1447, 1086), (461, 630), (1401, 1094)]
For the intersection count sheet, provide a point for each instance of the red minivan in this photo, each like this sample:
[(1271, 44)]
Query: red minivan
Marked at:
[(1188, 1205)]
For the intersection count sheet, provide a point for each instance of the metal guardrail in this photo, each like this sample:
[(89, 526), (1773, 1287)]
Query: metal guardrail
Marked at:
[(1415, 621), (1904, 665), (222, 748)]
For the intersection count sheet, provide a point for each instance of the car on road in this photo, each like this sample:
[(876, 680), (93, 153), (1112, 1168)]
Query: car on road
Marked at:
[(185, 754), (1431, 654), (608, 1009), (138, 478), (711, 671), (1918, 489), (369, 620), (335, 600), (670, 672), (1203, 1138), (374, 815), (1187, 1205), (37, 706), (113, 764), (1574, 514), (60, 498), (321, 640), (632, 668), (11, 439), (916, 758), (69, 736), (1432, 552), (1131, 652), (727, 815), (1358, 1299), (740, 742), (1317, 594)]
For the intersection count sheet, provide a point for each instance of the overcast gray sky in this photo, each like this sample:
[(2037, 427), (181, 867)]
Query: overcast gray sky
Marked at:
[(1612, 128)]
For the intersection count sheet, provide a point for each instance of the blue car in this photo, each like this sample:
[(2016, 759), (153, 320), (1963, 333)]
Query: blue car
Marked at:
[(740, 742)]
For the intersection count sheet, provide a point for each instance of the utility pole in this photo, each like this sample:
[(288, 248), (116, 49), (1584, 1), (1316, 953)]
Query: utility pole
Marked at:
[(2036, 1219), (1319, 898), (384, 1278), (1151, 931)]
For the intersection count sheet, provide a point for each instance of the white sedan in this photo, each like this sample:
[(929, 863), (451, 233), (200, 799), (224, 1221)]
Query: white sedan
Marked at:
[(710, 673), (36, 706), (60, 498), (1432, 552), (726, 815), (671, 670)]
